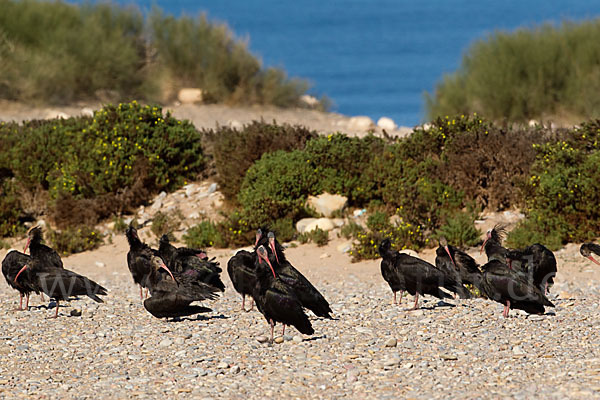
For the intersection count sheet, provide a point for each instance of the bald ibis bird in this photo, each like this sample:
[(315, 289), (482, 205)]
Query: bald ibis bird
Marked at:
[(59, 283), (537, 262), (417, 277), (241, 269), (587, 249), (139, 259), (275, 300), (456, 263), (191, 262), (11, 265), (493, 244), (39, 250), (512, 289), (308, 295), (172, 297)]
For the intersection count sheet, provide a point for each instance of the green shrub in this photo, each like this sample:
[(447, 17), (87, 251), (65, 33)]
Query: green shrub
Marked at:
[(10, 210), (284, 229), (164, 223), (459, 229), (564, 191), (351, 230), (403, 235), (234, 151), (529, 73), (317, 236), (340, 161), (95, 167), (205, 234), (119, 225), (112, 53), (277, 187), (74, 239)]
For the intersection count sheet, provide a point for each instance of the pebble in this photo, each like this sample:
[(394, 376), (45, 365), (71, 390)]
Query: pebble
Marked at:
[(278, 340), (297, 339), (262, 339), (235, 369), (76, 312), (165, 343), (391, 342)]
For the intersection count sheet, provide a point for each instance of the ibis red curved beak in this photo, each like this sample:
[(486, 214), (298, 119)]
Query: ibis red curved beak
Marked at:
[(594, 260), (26, 245), (163, 266), (272, 245), (483, 245), (19, 273), (258, 236), (450, 255), (262, 254)]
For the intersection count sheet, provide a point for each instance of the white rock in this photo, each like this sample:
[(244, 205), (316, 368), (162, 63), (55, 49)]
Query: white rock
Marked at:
[(190, 190), (323, 223), (194, 215), (100, 264), (391, 342), (234, 124), (303, 223), (358, 213), (361, 123), (309, 100), (87, 112), (156, 205), (324, 255), (532, 123), (326, 204), (165, 343), (387, 123), (344, 247), (297, 339), (212, 188), (190, 95)]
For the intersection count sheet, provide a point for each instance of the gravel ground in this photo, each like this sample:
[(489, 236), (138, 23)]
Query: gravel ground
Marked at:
[(462, 349)]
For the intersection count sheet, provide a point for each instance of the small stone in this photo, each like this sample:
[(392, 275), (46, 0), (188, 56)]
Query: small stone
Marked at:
[(262, 339), (100, 264), (297, 339), (165, 343), (235, 369), (517, 350), (391, 342), (407, 366), (278, 340), (75, 312), (448, 357), (392, 362), (324, 255), (222, 365), (179, 341), (212, 188)]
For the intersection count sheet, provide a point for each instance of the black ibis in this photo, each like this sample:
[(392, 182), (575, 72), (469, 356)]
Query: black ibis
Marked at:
[(493, 244), (172, 297), (512, 289), (242, 271), (308, 294), (39, 250), (416, 276), (139, 259), (11, 265), (456, 263), (587, 249), (275, 299), (537, 262), (191, 262), (59, 283)]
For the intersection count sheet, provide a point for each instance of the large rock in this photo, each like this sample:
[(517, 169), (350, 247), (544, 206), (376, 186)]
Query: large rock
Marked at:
[(326, 204), (387, 123), (361, 123), (190, 95), (323, 223), (310, 224)]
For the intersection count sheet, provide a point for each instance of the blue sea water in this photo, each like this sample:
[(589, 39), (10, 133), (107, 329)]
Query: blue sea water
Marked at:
[(372, 57)]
